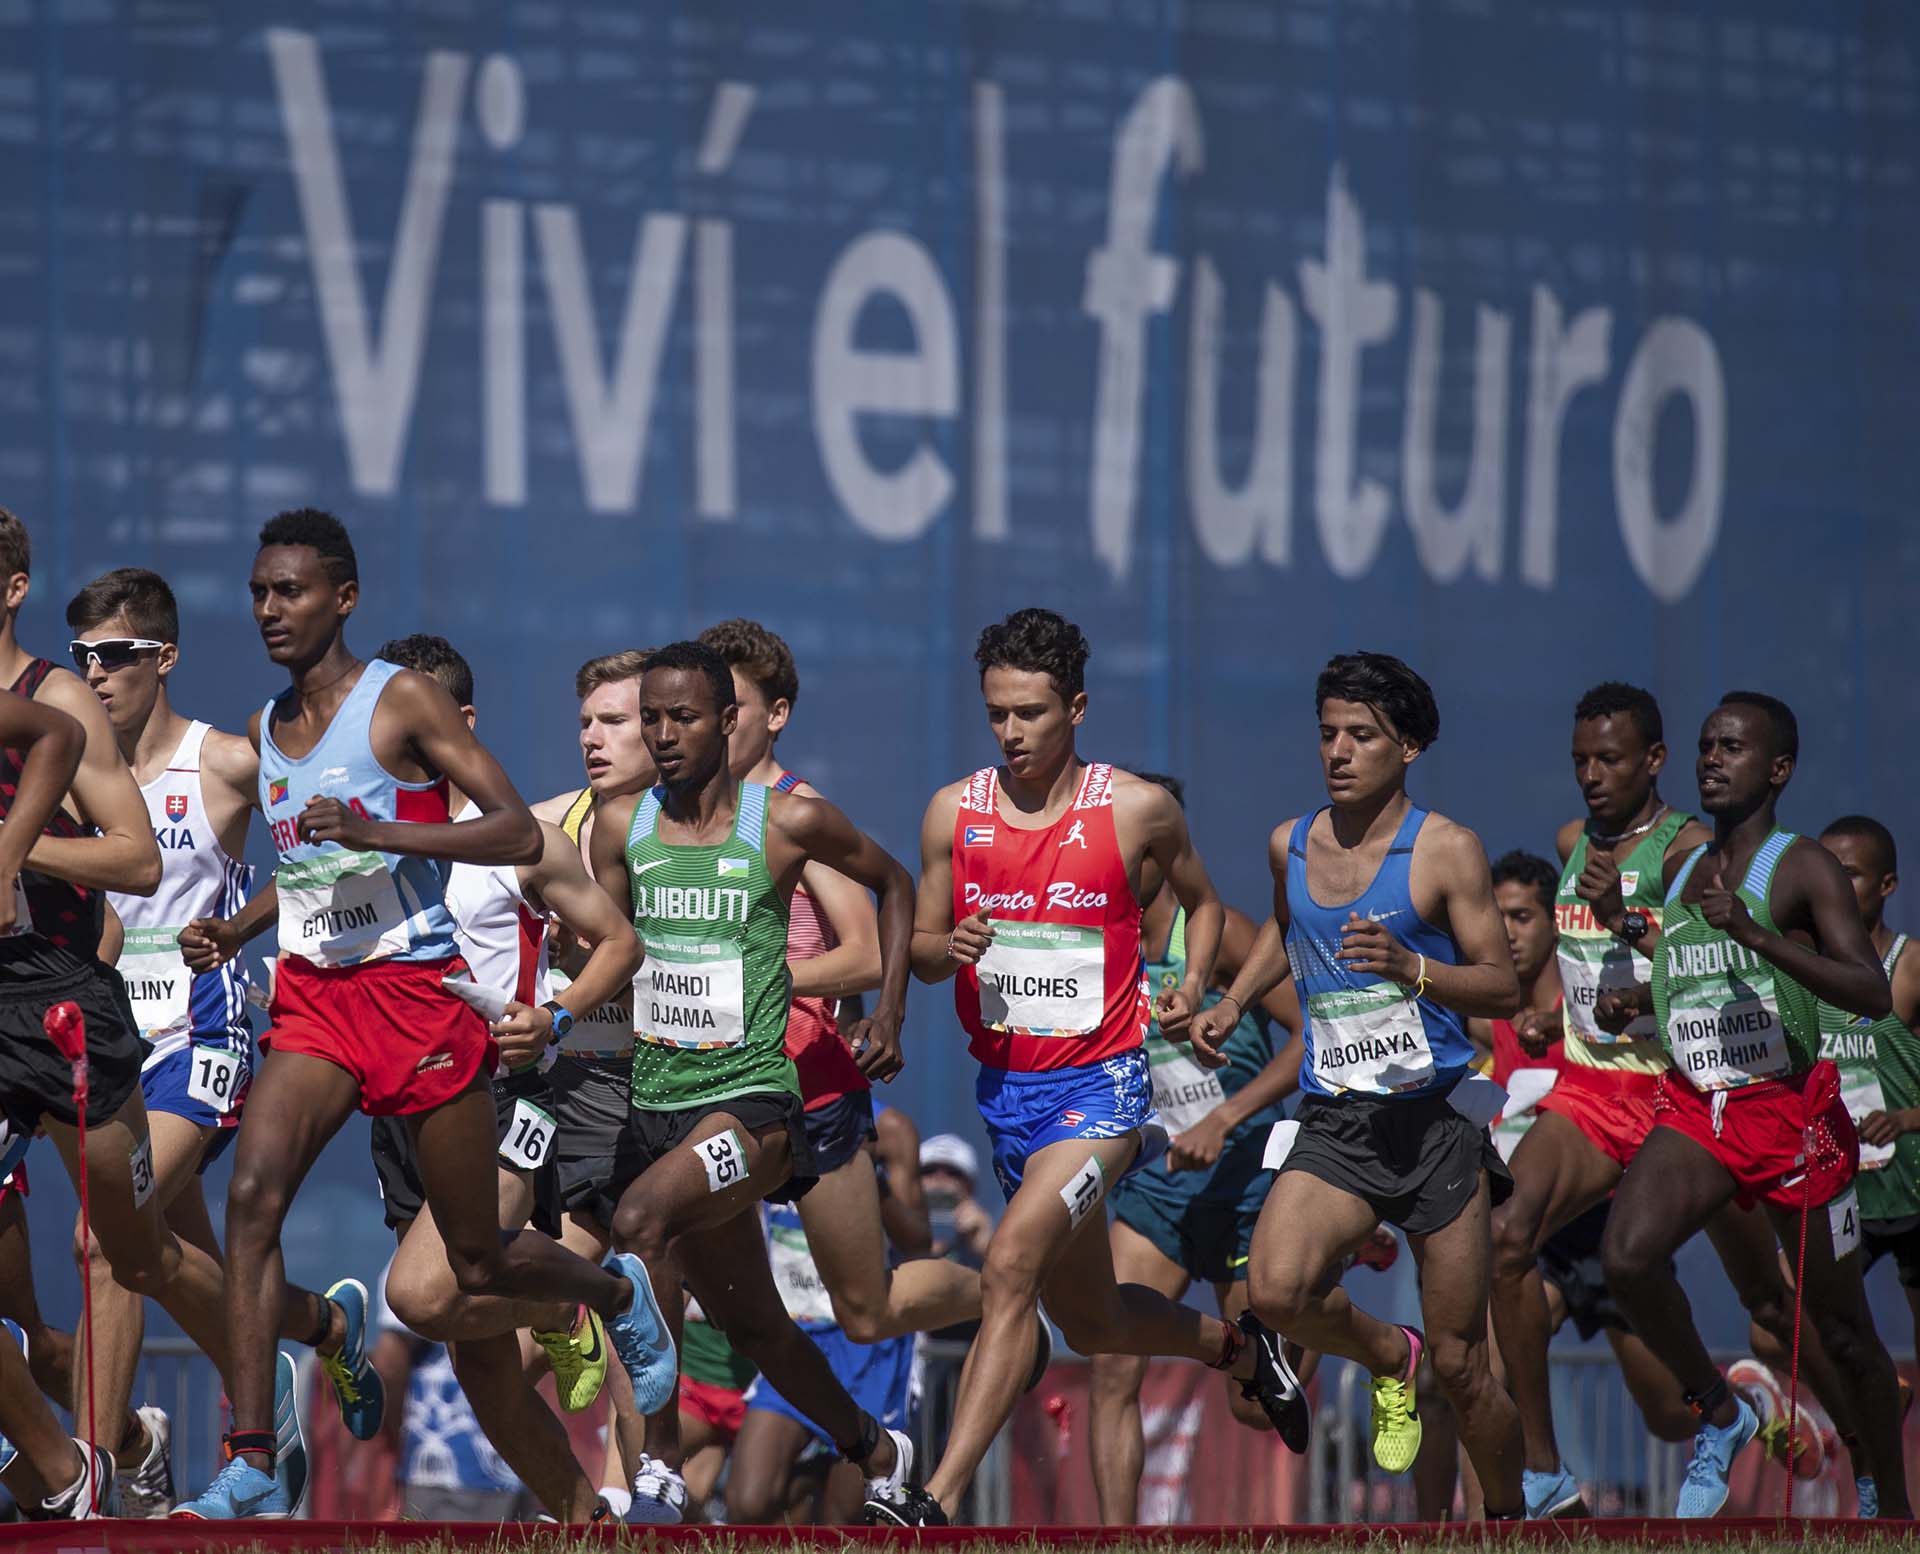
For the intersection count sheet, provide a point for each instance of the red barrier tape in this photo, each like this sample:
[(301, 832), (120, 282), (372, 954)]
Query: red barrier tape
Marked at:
[(189, 1537)]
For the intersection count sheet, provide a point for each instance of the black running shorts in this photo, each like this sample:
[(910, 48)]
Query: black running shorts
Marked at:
[(650, 1136), (402, 1193), (836, 1131), (1898, 1239), (591, 1100), (1415, 1162), (1570, 1262), (36, 1082)]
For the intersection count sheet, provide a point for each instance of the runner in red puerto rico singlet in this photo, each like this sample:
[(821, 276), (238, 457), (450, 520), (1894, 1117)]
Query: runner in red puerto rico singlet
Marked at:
[(1064, 984)]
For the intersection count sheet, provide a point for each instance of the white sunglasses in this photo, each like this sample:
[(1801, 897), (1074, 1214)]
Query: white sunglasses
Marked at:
[(110, 653)]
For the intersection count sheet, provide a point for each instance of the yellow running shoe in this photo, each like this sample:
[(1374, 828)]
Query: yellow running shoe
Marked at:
[(579, 1359), (1396, 1419)]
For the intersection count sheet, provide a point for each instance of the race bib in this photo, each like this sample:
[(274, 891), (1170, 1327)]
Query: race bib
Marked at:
[(529, 1136), (158, 982), (1043, 979), (801, 1288), (689, 994), (1590, 967), (140, 1168), (603, 1034), (1864, 1097), (1183, 1091), (340, 909), (1369, 1039), (1843, 1223), (216, 1078), (1730, 1045)]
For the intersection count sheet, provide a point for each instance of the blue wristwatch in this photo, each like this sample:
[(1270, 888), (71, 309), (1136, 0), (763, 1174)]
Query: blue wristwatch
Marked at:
[(562, 1021)]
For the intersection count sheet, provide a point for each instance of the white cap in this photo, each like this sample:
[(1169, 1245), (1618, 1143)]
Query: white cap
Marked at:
[(951, 1151)]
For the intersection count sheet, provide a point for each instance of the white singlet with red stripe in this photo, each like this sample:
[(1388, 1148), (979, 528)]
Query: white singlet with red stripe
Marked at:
[(1064, 982), (503, 940)]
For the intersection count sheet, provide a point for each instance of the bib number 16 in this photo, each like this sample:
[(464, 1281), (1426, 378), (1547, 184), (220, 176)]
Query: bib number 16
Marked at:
[(528, 1137)]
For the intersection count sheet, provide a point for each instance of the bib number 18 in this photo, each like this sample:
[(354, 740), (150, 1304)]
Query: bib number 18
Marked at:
[(215, 1079)]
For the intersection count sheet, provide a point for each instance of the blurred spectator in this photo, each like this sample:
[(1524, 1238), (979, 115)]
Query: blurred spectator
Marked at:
[(449, 1471), (949, 1172)]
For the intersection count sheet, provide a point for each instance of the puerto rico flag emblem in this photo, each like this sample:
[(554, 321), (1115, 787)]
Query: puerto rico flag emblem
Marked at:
[(277, 790), (1073, 1119), (176, 807), (977, 836)]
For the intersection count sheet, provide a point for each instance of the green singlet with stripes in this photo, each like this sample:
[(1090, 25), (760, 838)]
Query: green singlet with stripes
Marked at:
[(710, 1000), (1879, 1063)]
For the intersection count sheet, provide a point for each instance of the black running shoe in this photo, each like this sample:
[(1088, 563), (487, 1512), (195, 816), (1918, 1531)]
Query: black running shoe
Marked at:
[(912, 1506), (1274, 1386)]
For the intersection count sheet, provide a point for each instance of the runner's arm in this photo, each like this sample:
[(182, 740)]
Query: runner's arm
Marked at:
[(1237, 935), (54, 743), (1273, 1084), (1263, 970), (607, 851), (852, 965), (933, 899), (1689, 836), (824, 835), (564, 887), (124, 856), (1483, 981), (1170, 844), (1906, 1009), (505, 833), (234, 765), (1844, 971), (903, 1201), (208, 943)]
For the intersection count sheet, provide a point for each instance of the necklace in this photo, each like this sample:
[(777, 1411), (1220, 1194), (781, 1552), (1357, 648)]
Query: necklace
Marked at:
[(1621, 836), (311, 691)]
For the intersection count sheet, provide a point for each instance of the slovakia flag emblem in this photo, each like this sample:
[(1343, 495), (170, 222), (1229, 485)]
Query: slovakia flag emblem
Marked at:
[(977, 836), (176, 807)]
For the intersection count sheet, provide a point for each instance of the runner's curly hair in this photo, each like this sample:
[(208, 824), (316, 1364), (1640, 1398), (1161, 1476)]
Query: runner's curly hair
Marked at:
[(1040, 642), (1612, 698), (697, 658)]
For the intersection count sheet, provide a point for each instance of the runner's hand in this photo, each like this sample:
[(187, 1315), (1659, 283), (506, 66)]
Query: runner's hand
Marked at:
[(1724, 910), (523, 1032), (969, 939), (1537, 1029), (207, 944), (875, 1042), (1207, 1032), (1367, 948), (1599, 887), (1199, 1147), (1173, 1010), (1615, 1009), (1882, 1128), (328, 820)]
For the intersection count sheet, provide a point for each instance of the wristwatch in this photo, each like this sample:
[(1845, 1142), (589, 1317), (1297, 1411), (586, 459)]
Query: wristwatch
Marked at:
[(562, 1020), (1635, 926)]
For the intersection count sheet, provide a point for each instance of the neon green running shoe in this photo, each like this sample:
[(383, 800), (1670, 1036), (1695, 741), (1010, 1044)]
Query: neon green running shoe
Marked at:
[(1396, 1419), (579, 1359)]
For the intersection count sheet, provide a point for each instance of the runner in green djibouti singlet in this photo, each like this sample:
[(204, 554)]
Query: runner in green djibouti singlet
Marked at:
[(707, 865)]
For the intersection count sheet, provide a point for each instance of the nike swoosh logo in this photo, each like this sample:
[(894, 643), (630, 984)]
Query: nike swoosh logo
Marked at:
[(657, 863), (593, 1332), (1381, 917)]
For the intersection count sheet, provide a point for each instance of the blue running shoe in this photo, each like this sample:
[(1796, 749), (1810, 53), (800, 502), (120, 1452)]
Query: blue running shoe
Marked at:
[(240, 1490), (8, 1451), (1868, 1494), (1704, 1490), (640, 1337), (290, 1440), (1549, 1494), (356, 1384)]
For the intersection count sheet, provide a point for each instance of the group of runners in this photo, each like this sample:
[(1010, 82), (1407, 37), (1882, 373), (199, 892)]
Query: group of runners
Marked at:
[(623, 1007)]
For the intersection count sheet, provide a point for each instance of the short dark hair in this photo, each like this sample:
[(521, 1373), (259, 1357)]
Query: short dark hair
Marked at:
[(434, 656), (319, 531), (142, 596), (1780, 719), (1041, 642), (1613, 698), (1869, 830), (16, 546), (609, 669), (759, 654), (696, 658), (1389, 687), (1524, 868), (1173, 785)]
